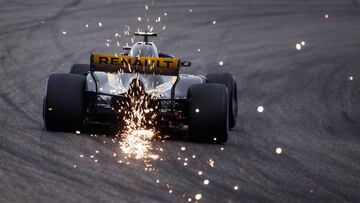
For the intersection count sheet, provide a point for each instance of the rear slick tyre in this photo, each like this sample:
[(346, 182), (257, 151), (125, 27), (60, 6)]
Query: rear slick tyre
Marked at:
[(63, 107), (208, 113)]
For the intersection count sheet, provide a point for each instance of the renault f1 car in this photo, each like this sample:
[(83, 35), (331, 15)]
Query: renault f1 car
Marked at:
[(90, 94)]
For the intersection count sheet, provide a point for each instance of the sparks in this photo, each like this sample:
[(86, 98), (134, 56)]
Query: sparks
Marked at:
[(137, 135), (198, 196), (211, 163), (260, 109), (136, 143)]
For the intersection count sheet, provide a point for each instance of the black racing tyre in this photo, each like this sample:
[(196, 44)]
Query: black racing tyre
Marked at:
[(81, 69), (229, 81), (208, 113), (63, 107)]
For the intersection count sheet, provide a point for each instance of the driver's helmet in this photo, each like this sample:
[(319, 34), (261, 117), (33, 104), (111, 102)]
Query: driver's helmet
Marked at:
[(143, 49)]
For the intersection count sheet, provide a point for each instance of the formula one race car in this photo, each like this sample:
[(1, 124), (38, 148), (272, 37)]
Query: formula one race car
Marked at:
[(91, 94)]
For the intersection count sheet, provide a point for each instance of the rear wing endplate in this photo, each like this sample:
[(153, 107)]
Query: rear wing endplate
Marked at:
[(128, 64)]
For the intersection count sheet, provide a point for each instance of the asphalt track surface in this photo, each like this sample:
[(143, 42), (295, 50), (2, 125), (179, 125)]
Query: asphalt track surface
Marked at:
[(311, 105)]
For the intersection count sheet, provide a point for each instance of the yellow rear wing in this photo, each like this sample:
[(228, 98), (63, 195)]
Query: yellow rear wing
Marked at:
[(128, 64)]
